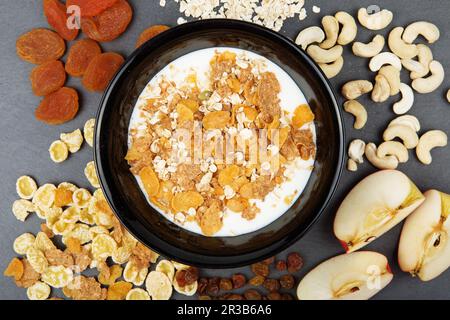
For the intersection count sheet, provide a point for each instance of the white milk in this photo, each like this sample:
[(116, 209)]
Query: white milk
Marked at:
[(274, 205)]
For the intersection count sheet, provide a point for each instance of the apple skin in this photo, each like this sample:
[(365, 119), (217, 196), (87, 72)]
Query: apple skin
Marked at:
[(326, 280), (416, 232), (385, 190)]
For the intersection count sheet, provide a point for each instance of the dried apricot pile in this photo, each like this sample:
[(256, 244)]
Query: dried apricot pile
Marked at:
[(47, 78), (90, 8), (80, 55), (56, 15), (58, 107), (101, 70), (149, 33), (40, 45)]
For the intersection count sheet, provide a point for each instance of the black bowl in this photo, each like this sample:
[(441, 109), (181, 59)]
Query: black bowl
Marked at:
[(126, 198)]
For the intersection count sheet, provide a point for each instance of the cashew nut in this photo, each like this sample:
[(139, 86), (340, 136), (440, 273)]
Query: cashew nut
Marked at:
[(310, 35), (393, 148), (352, 165), (407, 100), (384, 58), (399, 47), (428, 141), (427, 85), (356, 150), (370, 49), (392, 75), (388, 162), (331, 28), (415, 67), (376, 21), (406, 134), (320, 55), (407, 120), (332, 69), (357, 109), (428, 30), (381, 90), (448, 96), (425, 56), (349, 28), (354, 89)]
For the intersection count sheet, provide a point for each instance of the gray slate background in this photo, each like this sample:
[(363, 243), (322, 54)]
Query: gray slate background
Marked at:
[(24, 141)]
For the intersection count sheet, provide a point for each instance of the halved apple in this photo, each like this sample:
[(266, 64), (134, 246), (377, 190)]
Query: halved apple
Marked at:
[(375, 205), (424, 248), (353, 276)]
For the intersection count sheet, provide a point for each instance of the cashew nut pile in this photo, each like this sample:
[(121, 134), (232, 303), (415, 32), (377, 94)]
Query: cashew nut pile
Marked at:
[(325, 47)]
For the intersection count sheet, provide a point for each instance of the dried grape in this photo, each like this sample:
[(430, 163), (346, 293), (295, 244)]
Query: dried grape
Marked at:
[(56, 15), (58, 107), (101, 70), (40, 45), (80, 55), (47, 78)]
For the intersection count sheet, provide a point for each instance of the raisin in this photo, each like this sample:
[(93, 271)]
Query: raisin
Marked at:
[(56, 15), (101, 70), (226, 284), (269, 261), (235, 296), (256, 281), (40, 45), (213, 286), (149, 33), (90, 8), (281, 265), (271, 285), (180, 277), (287, 281), (201, 287), (47, 78), (80, 55), (260, 269), (286, 296), (294, 262), (191, 275), (252, 294), (204, 297), (274, 295), (238, 280), (109, 24), (58, 107)]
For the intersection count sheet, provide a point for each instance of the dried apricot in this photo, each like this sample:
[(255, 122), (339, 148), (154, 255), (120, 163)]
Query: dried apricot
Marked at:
[(58, 107), (101, 70), (40, 45), (118, 290), (109, 24), (149, 33), (150, 181), (56, 15), (14, 269), (47, 78), (80, 55), (90, 8), (302, 115)]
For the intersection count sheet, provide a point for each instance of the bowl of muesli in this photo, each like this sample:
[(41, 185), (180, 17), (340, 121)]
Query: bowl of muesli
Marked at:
[(219, 143)]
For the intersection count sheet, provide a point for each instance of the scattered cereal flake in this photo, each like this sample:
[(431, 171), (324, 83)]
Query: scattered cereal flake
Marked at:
[(81, 232), (158, 286), (137, 294), (43, 242), (38, 291), (122, 254), (316, 9), (81, 198), (37, 259), (187, 290), (62, 228), (26, 187), (45, 195), (166, 267), (14, 269), (88, 131), (91, 174), (118, 290), (73, 140), (302, 15), (110, 277), (84, 288), (51, 215), (103, 246), (57, 276), (29, 277), (70, 215), (22, 208), (132, 273), (45, 229), (180, 266), (58, 151), (181, 20), (143, 256), (23, 242), (56, 257), (68, 186)]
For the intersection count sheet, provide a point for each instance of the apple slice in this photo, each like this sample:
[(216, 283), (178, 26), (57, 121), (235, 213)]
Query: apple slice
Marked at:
[(353, 276), (424, 248), (375, 205)]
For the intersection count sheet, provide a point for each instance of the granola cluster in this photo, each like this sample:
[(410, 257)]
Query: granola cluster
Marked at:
[(240, 105)]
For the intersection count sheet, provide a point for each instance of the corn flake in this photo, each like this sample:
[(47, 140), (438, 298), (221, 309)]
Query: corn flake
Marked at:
[(118, 290), (70, 215), (58, 151), (62, 228), (122, 254), (29, 277), (14, 269), (73, 140), (180, 266), (38, 291), (80, 232), (183, 201), (91, 174), (37, 259), (133, 274), (137, 294), (57, 276), (150, 181), (158, 286), (51, 215), (81, 198), (166, 267), (26, 187), (110, 277), (45, 195), (23, 242), (22, 208), (103, 246), (88, 131), (43, 242)]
